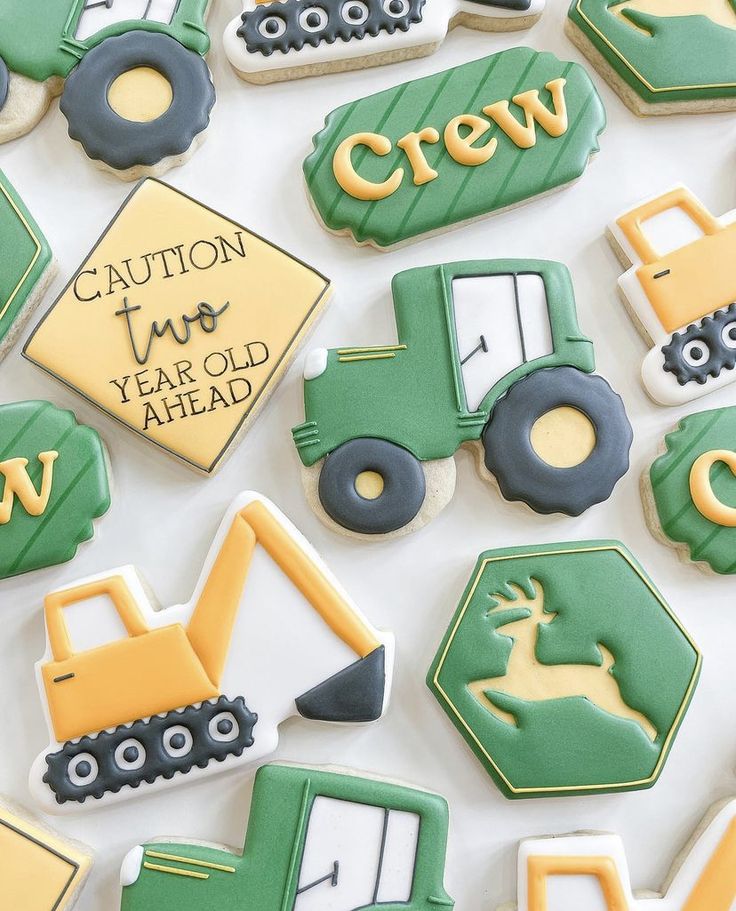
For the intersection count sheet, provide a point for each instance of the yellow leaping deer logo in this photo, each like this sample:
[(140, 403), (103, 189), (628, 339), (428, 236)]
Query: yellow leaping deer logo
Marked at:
[(18, 484), (528, 679)]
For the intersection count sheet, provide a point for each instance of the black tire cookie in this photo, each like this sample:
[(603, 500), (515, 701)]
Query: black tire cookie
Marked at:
[(523, 474), (397, 501), (123, 144)]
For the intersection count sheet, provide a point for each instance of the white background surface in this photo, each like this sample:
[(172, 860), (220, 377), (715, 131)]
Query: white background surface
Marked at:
[(163, 516)]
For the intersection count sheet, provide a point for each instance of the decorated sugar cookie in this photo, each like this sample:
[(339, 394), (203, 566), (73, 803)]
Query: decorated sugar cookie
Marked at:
[(268, 634), (136, 91), (689, 491), (39, 870), (54, 481), (179, 324), (661, 56), (26, 263), (589, 872), (319, 839), (565, 670), (489, 353), (276, 40), (450, 148), (680, 292)]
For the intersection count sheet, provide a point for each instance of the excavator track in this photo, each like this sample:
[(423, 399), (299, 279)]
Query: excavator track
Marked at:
[(159, 747), (703, 349), (289, 25)]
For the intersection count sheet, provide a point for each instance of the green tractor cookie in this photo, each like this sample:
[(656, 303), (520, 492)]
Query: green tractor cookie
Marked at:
[(489, 353), (318, 840), (137, 93)]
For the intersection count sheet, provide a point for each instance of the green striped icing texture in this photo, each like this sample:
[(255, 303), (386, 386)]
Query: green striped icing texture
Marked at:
[(80, 491), (679, 519), (459, 193)]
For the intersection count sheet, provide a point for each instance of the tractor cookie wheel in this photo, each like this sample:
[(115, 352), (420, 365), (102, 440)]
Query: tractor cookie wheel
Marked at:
[(158, 747), (290, 24), (138, 99), (371, 487), (703, 349), (558, 440)]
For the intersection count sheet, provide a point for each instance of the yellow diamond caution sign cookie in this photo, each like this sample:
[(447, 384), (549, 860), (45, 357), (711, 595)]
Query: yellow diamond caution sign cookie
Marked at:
[(179, 323), (39, 870)]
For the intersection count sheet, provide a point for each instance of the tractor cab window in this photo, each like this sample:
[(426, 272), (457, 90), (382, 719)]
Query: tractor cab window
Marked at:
[(356, 856), (565, 892), (670, 230), (98, 14), (501, 321)]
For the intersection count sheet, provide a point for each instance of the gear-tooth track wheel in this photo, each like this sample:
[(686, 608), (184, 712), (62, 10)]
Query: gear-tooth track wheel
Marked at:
[(292, 24), (703, 349), (144, 751)]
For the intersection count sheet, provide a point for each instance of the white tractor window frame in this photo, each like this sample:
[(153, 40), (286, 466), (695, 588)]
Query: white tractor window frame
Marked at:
[(390, 879), (530, 308), (96, 15)]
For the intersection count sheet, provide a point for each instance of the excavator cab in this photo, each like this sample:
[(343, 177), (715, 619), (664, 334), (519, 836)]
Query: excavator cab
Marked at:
[(318, 840), (685, 257), (681, 290), (574, 873), (84, 690)]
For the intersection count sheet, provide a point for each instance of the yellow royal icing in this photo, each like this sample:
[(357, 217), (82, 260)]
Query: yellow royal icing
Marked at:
[(179, 323)]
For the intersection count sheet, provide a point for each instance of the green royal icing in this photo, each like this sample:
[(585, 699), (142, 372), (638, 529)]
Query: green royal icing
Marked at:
[(24, 256), (43, 44), (568, 745), (413, 396), (460, 192), (79, 491), (664, 59), (266, 876), (670, 479)]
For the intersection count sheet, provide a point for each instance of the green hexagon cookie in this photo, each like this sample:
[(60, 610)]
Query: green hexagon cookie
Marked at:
[(565, 670)]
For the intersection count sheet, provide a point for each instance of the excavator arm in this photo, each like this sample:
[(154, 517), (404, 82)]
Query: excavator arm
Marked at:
[(716, 888), (354, 694)]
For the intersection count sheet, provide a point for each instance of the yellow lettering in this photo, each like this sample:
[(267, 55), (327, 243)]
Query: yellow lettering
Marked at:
[(18, 484), (461, 147), (412, 145), (701, 490), (554, 122), (77, 292), (348, 178)]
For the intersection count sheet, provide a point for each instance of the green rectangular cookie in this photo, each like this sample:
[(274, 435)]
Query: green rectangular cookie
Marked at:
[(453, 147)]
